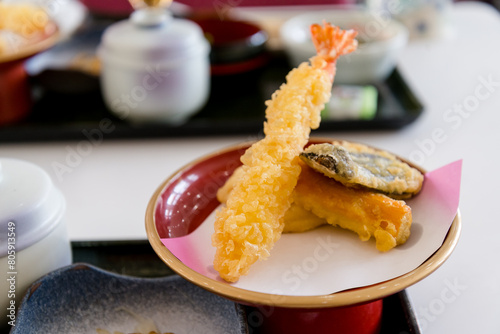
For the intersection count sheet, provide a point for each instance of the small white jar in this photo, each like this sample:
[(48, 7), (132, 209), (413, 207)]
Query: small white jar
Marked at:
[(33, 233), (155, 68)]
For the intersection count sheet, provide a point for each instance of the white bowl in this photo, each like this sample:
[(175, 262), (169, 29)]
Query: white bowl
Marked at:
[(381, 42)]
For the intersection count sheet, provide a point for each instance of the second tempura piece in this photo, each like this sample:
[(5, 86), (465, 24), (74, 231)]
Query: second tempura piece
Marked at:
[(252, 220), (359, 166)]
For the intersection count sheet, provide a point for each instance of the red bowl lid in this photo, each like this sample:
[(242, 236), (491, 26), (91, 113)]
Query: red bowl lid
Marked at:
[(232, 41)]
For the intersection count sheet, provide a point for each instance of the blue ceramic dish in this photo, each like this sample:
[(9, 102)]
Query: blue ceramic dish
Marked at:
[(84, 299)]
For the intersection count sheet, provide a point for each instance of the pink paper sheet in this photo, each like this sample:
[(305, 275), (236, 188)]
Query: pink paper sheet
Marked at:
[(329, 259)]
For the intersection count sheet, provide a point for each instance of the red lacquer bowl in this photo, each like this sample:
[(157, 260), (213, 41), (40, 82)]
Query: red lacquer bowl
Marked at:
[(15, 91), (184, 201)]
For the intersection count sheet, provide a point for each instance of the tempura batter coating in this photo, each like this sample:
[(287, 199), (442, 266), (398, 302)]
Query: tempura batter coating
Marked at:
[(319, 200), (297, 219), (21, 24), (365, 212), (252, 220), (24, 19), (357, 165)]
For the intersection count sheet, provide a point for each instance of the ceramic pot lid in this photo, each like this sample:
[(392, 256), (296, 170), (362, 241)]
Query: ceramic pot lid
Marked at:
[(30, 205)]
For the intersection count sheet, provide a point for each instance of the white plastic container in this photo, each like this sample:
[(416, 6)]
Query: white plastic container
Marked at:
[(154, 67), (33, 234)]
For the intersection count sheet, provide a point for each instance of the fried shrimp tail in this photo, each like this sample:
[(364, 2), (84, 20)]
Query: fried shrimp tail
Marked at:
[(330, 43), (253, 219)]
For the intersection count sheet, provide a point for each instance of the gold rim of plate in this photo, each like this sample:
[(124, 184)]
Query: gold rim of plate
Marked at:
[(343, 298)]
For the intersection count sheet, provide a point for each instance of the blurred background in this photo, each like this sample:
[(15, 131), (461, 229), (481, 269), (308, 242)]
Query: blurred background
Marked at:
[(55, 84)]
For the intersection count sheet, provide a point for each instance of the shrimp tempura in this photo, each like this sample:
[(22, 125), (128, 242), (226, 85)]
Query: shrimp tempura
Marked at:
[(252, 220)]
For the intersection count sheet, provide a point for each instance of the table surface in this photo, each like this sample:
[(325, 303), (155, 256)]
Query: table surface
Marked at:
[(458, 80)]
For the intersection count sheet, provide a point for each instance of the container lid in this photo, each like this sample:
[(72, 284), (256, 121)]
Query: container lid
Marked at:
[(153, 36), (30, 205)]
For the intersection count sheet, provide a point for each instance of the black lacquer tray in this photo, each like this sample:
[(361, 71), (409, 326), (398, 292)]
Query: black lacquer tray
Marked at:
[(68, 102), (137, 258)]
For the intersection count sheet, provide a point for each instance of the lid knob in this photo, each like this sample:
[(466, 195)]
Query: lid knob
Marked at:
[(150, 13), (138, 4)]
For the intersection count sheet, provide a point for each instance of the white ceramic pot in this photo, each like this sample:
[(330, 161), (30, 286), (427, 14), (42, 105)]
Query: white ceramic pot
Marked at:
[(155, 68), (33, 240)]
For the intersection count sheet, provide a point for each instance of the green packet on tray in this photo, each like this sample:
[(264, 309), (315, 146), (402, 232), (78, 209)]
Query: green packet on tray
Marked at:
[(351, 102)]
